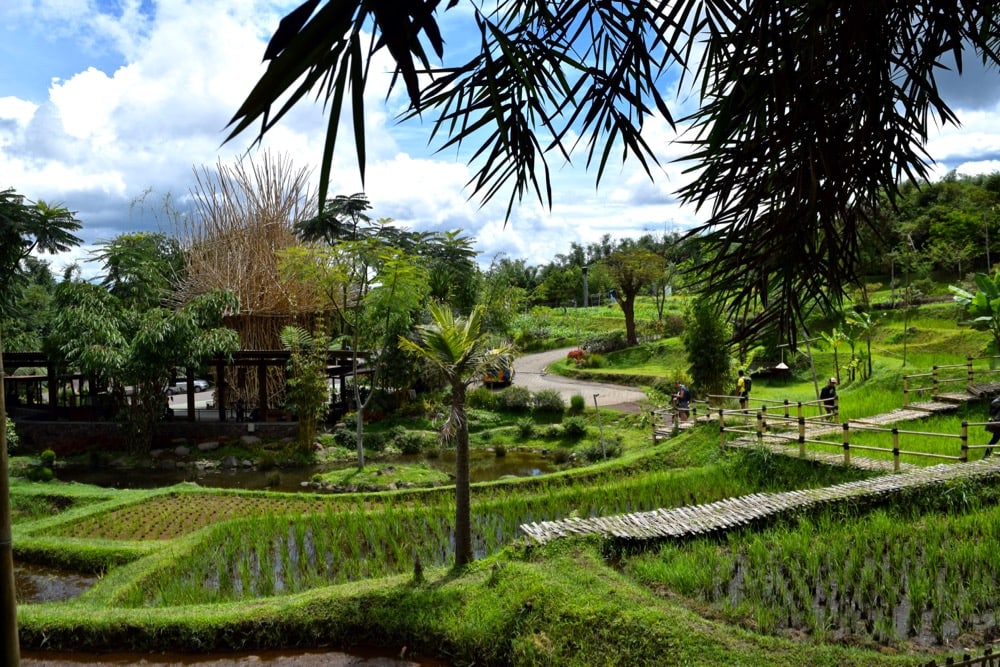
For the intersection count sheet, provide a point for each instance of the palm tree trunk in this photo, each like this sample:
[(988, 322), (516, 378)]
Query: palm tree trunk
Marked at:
[(463, 519)]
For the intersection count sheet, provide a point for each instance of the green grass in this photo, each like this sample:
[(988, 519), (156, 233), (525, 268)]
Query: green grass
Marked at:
[(225, 569)]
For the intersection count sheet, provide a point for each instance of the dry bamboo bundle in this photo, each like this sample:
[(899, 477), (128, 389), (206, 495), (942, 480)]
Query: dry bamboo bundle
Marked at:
[(244, 215)]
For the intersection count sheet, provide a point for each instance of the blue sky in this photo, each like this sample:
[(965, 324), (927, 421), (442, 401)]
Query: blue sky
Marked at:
[(103, 101)]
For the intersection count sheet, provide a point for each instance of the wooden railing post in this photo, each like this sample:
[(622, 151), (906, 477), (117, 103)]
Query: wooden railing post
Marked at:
[(934, 382), (722, 430), (906, 390), (802, 437), (760, 431), (847, 444), (965, 442), (763, 418), (969, 379), (786, 408), (895, 449)]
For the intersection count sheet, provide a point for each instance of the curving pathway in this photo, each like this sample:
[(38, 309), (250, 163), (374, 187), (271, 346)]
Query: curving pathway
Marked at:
[(530, 373)]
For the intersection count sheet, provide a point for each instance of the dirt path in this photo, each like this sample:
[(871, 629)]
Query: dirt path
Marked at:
[(530, 373)]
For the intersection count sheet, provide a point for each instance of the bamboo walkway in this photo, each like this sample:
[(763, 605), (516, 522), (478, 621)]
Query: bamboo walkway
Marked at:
[(681, 522)]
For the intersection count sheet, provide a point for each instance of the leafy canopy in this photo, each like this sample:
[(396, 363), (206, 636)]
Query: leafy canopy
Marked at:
[(808, 110)]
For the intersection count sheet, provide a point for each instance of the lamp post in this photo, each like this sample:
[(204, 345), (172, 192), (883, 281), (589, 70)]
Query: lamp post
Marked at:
[(584, 269)]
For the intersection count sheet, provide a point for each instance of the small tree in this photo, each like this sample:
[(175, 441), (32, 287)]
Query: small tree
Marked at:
[(864, 323), (373, 292), (706, 339), (632, 269), (308, 390), (458, 349)]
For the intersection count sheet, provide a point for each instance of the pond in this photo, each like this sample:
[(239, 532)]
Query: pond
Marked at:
[(41, 583), (485, 466)]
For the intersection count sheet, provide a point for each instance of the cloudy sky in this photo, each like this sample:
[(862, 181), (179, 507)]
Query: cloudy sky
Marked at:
[(102, 101)]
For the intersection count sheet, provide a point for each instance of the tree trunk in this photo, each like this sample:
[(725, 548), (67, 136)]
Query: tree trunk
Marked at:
[(10, 651), (628, 309), (463, 519)]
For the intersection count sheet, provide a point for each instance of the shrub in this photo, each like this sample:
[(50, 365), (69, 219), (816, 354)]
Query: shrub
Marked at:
[(605, 342), (345, 437), (551, 432), (47, 458), (376, 442), (411, 443), (515, 399), (525, 427), (574, 428), (11, 435), (548, 401), (577, 403), (39, 474), (560, 456), (482, 398), (500, 451), (594, 361), (612, 449)]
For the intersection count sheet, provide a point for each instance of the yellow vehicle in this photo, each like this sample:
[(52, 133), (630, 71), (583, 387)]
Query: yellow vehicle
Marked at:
[(501, 375)]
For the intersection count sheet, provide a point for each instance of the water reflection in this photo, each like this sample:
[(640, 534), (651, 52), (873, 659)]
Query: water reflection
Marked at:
[(41, 583), (484, 466)]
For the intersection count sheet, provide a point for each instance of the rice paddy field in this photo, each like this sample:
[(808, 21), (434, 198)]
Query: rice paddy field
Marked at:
[(891, 583)]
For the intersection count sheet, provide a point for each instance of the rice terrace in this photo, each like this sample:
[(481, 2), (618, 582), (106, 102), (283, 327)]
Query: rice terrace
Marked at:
[(886, 573)]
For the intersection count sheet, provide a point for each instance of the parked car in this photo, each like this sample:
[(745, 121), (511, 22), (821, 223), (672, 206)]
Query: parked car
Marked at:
[(180, 386), (501, 375)]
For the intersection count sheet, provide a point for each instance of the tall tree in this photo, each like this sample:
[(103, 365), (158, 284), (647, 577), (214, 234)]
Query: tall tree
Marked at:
[(633, 268), (140, 269), (458, 349), (373, 293), (705, 338), (24, 229), (809, 110)]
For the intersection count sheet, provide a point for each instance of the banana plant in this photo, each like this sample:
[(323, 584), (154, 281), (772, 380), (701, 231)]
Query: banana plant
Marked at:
[(983, 306)]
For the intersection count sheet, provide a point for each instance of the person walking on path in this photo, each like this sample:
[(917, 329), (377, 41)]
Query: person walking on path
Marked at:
[(743, 389), (994, 425), (682, 401), (828, 394)]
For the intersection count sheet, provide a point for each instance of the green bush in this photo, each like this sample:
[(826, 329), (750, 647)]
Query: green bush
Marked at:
[(551, 432), (39, 473), (515, 399), (526, 427), (612, 449), (577, 403), (605, 342), (574, 428), (376, 442), (482, 398), (345, 437), (11, 436), (500, 451), (560, 456), (548, 401), (47, 458), (411, 443)]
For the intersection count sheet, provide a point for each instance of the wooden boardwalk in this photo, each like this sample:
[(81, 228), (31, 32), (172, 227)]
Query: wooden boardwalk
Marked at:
[(681, 522)]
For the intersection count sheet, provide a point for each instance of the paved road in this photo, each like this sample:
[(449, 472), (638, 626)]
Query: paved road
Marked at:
[(530, 373)]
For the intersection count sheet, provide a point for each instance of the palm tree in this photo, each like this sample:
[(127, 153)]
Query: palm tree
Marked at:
[(457, 348)]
